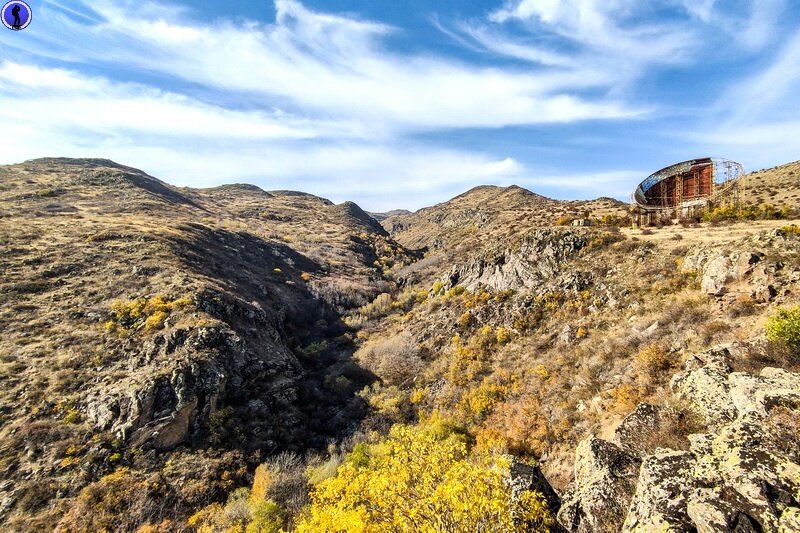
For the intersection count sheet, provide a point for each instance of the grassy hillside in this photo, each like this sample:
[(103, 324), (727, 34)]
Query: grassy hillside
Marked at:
[(145, 325), (176, 359)]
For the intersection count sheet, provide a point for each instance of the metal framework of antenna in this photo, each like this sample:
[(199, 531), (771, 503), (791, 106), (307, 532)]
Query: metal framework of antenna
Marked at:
[(683, 189)]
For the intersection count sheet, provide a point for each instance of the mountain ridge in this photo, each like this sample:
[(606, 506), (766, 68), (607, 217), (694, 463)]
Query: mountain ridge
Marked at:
[(167, 344)]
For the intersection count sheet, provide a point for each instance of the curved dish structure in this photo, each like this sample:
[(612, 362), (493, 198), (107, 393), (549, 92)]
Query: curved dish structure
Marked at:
[(687, 183)]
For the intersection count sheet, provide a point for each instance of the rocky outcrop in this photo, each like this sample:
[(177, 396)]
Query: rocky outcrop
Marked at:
[(190, 372), (706, 388), (743, 271), (529, 477), (604, 479), (636, 431), (740, 475), (659, 501), (537, 258), (161, 411)]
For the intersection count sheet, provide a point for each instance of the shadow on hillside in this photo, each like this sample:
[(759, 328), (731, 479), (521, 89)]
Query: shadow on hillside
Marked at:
[(267, 276)]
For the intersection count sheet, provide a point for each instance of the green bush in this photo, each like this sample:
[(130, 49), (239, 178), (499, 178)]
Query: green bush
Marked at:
[(784, 326)]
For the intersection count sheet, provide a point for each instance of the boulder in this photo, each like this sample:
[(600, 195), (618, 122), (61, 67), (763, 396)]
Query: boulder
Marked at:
[(706, 389), (660, 500), (741, 475), (709, 509), (529, 477), (597, 500), (637, 429), (717, 268), (716, 273), (757, 394)]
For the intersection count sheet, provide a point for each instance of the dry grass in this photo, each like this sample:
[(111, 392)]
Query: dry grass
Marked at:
[(539, 369)]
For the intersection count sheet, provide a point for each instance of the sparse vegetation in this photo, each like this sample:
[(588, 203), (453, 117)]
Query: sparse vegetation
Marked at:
[(295, 328), (783, 326), (146, 314)]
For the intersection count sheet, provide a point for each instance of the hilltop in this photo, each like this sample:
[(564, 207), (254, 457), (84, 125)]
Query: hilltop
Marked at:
[(137, 312), (487, 212), (179, 359)]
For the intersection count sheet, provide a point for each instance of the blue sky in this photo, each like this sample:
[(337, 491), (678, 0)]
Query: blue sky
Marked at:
[(404, 103)]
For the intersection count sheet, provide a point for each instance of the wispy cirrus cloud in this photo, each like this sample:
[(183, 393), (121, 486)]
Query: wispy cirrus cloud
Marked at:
[(321, 63), (330, 103), (42, 98), (608, 30), (311, 101), (759, 115), (626, 38)]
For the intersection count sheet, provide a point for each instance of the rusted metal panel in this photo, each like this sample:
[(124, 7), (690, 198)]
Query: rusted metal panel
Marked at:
[(685, 181)]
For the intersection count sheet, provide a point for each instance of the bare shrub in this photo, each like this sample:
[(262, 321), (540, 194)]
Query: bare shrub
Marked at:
[(394, 359), (674, 427), (654, 360), (286, 482), (784, 426)]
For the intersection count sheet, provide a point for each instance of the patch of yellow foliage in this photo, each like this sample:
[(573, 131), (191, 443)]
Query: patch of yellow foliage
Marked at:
[(423, 479), (143, 313)]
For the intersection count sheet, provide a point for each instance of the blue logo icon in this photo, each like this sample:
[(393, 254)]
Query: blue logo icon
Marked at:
[(16, 15)]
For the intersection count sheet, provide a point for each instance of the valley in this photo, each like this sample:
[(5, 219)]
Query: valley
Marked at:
[(233, 359)]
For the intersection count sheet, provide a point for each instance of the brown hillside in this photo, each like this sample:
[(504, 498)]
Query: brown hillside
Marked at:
[(161, 343), (140, 316)]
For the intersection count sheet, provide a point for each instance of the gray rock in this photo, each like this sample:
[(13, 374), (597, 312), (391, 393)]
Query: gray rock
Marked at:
[(659, 503), (710, 511), (716, 273), (529, 477), (755, 395), (717, 268), (605, 477), (537, 258), (637, 429), (707, 391), (737, 477)]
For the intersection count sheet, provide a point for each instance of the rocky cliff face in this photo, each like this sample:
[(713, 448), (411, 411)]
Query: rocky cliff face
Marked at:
[(143, 323), (743, 268), (539, 257), (741, 474), (185, 375)]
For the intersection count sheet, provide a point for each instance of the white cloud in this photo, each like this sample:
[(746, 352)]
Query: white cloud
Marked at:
[(322, 102), (313, 102), (66, 100), (758, 29), (768, 91), (757, 120), (48, 112), (614, 43), (615, 27), (616, 184), (629, 36), (326, 64), (702, 9)]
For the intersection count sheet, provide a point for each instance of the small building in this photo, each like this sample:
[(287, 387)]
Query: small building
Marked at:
[(581, 222)]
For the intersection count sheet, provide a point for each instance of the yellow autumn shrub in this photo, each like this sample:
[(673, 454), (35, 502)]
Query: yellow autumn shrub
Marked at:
[(422, 479), (143, 313)]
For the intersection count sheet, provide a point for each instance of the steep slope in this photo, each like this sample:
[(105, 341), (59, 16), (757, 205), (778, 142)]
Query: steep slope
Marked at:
[(778, 186), (484, 216), (160, 342), (547, 342), (475, 215), (145, 325)]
